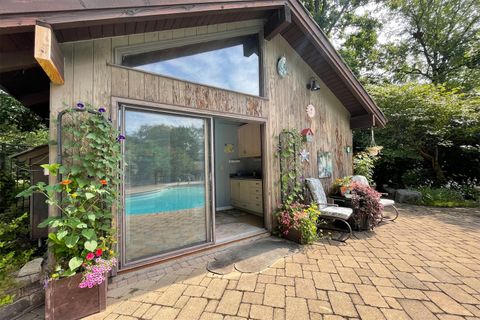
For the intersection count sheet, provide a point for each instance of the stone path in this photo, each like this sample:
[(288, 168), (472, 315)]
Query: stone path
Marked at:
[(424, 266)]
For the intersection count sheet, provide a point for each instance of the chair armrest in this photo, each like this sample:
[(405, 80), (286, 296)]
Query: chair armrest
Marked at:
[(328, 204)]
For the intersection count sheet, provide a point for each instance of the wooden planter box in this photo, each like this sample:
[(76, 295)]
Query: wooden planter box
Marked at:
[(64, 300)]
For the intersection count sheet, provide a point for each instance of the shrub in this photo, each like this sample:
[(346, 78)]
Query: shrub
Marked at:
[(444, 197), (301, 218), (364, 162), (367, 210)]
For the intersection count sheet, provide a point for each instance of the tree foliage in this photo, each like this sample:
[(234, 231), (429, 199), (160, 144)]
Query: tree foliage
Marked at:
[(19, 125), (440, 43), (356, 32), (431, 128)]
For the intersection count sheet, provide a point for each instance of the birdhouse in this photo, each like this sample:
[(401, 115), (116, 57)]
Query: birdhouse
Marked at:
[(307, 135)]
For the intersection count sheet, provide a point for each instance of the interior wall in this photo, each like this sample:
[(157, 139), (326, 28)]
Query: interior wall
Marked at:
[(224, 133)]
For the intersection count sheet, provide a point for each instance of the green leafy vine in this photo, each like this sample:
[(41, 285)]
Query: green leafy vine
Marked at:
[(291, 168), (88, 191)]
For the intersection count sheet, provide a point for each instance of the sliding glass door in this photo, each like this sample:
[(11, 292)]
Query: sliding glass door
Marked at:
[(167, 196)]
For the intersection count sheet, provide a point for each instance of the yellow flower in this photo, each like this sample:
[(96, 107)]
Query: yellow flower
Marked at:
[(74, 195)]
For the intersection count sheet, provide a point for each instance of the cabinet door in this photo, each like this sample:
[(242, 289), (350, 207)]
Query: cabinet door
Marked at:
[(242, 140), (254, 141), (244, 192)]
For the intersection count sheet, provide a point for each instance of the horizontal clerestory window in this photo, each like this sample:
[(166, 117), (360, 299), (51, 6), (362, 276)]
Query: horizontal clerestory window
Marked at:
[(232, 64)]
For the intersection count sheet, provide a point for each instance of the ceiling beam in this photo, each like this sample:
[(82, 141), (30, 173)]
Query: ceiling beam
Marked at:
[(278, 22), (16, 60), (48, 53)]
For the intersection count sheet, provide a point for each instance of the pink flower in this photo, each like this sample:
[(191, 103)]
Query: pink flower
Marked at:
[(90, 256), (99, 252)]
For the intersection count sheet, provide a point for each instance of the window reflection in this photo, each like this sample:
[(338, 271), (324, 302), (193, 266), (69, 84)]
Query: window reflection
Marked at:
[(231, 64)]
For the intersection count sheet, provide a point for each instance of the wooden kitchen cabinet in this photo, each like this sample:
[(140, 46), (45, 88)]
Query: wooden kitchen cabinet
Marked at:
[(247, 194), (249, 141)]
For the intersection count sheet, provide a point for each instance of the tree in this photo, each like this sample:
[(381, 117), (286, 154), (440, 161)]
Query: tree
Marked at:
[(430, 123), (19, 125), (440, 43), (355, 34)]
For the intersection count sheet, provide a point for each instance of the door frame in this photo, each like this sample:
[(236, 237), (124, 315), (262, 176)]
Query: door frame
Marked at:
[(209, 189), (204, 113)]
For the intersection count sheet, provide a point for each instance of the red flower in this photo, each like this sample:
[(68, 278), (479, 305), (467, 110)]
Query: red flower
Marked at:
[(104, 182), (66, 182), (90, 256), (99, 252)]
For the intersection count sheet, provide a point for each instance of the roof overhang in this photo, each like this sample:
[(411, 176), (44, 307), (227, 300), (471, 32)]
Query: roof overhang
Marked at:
[(74, 20)]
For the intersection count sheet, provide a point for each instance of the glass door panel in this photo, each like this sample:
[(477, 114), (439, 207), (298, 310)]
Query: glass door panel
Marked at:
[(166, 186)]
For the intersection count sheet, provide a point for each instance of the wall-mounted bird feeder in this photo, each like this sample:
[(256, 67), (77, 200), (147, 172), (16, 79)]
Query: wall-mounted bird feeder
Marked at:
[(307, 135)]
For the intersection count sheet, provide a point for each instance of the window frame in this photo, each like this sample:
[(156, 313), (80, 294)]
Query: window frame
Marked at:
[(121, 51)]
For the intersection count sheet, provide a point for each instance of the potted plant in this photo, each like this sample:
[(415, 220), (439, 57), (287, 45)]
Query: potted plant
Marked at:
[(81, 236), (367, 209), (342, 186), (298, 222)]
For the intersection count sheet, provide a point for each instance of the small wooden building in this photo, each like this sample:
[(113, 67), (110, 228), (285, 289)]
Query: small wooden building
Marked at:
[(209, 85)]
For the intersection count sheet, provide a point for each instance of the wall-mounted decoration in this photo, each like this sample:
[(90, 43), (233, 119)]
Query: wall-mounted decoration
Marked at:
[(304, 156), (228, 148), (282, 67), (307, 135), (324, 163), (310, 111)]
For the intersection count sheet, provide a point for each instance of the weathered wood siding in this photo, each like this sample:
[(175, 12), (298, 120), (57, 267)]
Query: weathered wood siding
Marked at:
[(90, 78)]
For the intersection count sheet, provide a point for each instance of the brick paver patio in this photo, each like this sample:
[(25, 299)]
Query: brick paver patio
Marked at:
[(424, 266)]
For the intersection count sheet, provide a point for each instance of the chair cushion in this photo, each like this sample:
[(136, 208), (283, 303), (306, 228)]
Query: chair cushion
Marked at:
[(336, 212), (360, 179), (316, 189), (387, 202)]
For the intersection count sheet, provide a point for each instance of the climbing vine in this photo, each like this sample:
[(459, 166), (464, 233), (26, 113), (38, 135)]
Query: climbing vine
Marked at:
[(82, 235), (290, 166)]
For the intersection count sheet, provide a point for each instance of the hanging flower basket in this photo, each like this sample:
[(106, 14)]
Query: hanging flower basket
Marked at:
[(374, 151)]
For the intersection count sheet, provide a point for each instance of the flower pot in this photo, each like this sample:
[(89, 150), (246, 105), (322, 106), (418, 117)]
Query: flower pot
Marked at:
[(294, 235), (64, 300), (360, 224)]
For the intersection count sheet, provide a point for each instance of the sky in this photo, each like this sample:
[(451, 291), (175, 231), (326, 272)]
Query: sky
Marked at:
[(225, 68)]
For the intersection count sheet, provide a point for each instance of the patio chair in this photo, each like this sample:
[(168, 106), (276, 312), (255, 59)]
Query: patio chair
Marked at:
[(329, 211), (385, 202)]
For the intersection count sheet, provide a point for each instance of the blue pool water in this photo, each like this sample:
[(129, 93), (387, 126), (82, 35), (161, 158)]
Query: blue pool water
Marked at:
[(169, 199)]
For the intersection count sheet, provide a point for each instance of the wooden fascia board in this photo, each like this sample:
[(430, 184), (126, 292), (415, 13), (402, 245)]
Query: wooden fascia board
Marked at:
[(48, 54), (80, 18), (329, 53), (278, 22)]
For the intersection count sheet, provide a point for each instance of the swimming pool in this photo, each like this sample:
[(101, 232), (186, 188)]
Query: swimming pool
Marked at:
[(168, 199)]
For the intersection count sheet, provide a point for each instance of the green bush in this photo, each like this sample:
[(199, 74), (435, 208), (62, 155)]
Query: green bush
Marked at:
[(444, 197), (15, 250), (364, 162)]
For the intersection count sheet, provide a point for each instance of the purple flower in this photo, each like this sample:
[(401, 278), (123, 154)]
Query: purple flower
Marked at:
[(80, 105), (102, 110), (120, 137)]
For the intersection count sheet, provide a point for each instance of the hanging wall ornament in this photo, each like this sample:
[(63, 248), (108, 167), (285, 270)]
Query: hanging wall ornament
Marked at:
[(304, 156), (310, 111)]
